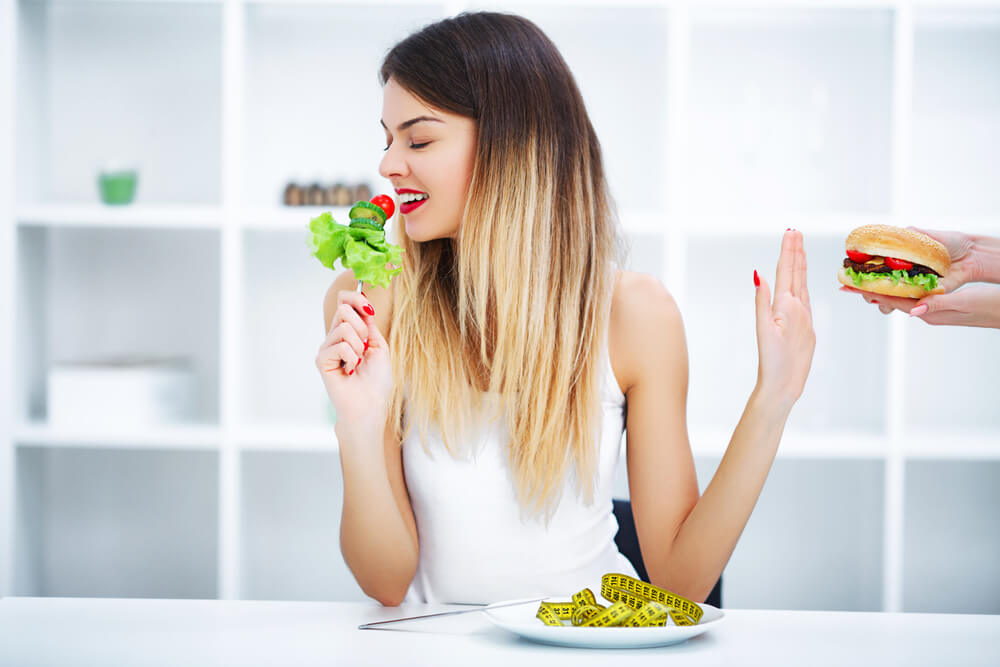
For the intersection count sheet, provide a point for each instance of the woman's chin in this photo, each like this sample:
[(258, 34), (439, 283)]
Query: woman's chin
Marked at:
[(422, 234)]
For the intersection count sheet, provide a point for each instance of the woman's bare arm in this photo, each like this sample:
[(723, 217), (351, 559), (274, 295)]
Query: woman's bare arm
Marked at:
[(378, 534)]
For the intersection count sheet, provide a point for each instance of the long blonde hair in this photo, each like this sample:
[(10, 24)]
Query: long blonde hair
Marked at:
[(517, 305)]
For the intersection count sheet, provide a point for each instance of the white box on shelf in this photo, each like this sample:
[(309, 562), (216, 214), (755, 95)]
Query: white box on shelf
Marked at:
[(119, 392)]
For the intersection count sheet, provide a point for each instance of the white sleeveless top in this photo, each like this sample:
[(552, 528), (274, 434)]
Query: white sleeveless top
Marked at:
[(475, 546)]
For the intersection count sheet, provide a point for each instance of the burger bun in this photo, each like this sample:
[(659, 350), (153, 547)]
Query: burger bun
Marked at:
[(905, 244)]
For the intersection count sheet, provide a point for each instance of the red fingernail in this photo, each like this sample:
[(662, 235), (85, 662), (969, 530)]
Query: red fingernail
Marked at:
[(875, 301), (351, 373), (369, 309), (366, 345), (756, 279)]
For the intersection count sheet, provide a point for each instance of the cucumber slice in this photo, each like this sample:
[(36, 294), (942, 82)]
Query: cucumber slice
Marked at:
[(366, 223), (364, 209)]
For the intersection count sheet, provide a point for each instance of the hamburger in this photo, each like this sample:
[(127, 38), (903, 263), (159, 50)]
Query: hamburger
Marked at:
[(894, 261)]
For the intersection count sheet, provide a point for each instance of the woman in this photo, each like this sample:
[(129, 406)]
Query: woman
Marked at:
[(480, 433)]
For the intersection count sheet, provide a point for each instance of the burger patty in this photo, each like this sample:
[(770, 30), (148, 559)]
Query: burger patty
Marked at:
[(882, 268)]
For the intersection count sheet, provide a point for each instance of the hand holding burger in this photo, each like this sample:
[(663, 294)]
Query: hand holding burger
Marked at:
[(894, 261), (877, 268)]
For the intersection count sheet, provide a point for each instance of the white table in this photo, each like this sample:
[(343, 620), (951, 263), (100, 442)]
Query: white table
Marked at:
[(110, 632)]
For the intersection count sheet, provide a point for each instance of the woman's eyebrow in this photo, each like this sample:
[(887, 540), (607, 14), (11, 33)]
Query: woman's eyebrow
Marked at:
[(412, 121)]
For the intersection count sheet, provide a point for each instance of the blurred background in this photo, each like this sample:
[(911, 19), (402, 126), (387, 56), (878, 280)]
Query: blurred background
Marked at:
[(163, 431)]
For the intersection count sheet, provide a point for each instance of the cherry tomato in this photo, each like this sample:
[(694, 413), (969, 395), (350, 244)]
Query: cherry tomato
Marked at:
[(898, 264), (858, 257), (385, 203)]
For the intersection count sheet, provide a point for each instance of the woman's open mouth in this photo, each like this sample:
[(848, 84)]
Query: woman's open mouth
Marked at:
[(409, 201)]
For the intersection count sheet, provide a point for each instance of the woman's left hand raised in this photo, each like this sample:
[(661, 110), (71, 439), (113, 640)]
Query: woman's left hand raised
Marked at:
[(785, 336)]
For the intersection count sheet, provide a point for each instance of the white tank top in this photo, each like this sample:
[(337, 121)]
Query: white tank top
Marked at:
[(475, 546)]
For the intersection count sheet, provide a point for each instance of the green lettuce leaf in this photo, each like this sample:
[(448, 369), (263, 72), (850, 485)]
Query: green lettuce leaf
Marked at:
[(928, 281), (364, 251)]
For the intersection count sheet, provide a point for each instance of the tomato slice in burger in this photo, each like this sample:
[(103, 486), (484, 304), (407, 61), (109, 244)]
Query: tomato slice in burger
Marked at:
[(898, 264), (859, 257)]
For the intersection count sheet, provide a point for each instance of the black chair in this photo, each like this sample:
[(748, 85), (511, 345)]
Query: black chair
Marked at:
[(628, 543)]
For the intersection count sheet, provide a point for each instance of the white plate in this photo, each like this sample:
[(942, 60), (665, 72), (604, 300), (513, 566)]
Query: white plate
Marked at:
[(521, 621)]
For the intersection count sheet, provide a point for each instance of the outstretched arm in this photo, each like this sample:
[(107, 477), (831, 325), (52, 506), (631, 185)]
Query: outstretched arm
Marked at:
[(686, 541)]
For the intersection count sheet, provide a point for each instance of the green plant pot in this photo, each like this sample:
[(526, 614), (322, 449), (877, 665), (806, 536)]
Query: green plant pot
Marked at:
[(117, 187)]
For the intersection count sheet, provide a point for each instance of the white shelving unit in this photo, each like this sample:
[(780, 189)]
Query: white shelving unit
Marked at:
[(720, 127)]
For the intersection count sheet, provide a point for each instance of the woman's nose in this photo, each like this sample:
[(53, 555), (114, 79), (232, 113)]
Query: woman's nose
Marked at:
[(392, 165)]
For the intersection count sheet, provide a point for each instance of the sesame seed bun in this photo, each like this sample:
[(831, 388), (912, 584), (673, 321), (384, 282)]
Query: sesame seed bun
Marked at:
[(888, 241)]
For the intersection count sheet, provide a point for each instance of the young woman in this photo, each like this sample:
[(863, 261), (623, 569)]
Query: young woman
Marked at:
[(481, 400)]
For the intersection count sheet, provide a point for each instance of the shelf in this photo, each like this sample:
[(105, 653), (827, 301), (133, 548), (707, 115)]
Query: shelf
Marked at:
[(790, 110), (282, 385), (625, 95), (292, 218), (291, 438), (952, 537), (265, 437), (291, 506), (814, 540), (953, 386), (709, 442), (311, 102), (757, 225), (119, 83), (113, 294), (150, 437), (97, 215), (116, 523), (956, 100), (953, 446)]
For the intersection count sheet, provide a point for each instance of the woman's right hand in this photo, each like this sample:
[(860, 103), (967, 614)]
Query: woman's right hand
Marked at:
[(355, 365)]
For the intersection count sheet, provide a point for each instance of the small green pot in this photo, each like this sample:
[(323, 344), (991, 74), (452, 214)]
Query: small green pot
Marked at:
[(117, 187)]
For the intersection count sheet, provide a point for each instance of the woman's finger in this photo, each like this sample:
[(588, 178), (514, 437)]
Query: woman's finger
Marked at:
[(375, 338), (804, 287), (347, 314), (798, 273), (786, 264), (348, 334), (339, 356), (357, 300), (762, 303)]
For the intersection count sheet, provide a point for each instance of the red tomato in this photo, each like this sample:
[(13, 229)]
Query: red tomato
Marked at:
[(385, 203), (859, 257), (898, 264)]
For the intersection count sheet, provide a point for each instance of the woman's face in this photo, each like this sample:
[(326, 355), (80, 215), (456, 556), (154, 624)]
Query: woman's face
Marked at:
[(429, 157)]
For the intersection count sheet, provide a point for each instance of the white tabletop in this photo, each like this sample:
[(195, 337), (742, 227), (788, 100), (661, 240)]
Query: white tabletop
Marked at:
[(109, 632)]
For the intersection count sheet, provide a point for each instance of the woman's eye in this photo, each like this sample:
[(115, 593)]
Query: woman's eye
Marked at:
[(419, 145)]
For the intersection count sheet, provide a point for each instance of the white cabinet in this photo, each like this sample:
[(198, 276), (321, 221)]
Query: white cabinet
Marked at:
[(720, 128)]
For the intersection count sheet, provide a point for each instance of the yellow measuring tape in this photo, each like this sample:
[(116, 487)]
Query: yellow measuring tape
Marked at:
[(634, 603)]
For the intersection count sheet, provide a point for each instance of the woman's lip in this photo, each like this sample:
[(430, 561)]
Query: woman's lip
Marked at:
[(403, 191), (409, 206)]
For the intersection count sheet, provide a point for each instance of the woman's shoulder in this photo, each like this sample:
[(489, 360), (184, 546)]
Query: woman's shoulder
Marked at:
[(644, 316), (380, 298)]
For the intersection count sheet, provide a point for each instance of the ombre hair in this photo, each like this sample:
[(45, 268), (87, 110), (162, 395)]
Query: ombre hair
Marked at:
[(517, 306)]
